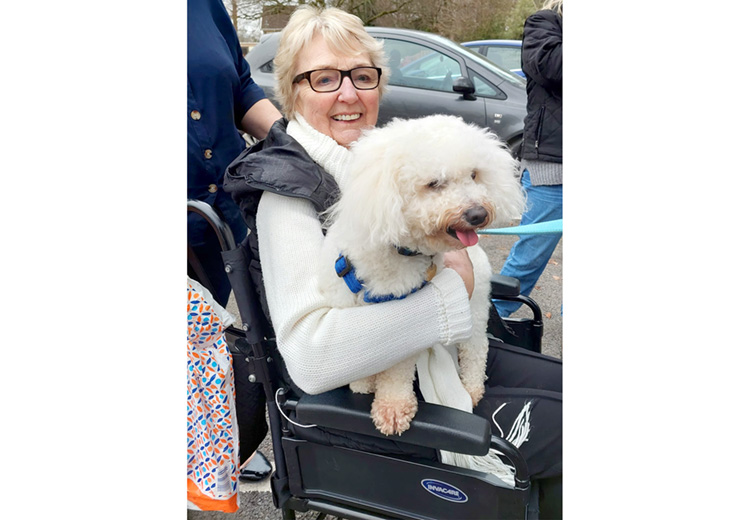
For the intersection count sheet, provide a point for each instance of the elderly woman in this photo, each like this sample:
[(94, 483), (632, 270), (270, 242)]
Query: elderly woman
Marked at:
[(330, 76)]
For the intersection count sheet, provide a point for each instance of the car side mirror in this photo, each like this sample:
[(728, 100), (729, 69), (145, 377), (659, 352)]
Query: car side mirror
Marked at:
[(463, 85)]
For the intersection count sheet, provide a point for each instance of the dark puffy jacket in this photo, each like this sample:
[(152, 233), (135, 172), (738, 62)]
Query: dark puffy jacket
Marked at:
[(278, 164), (541, 61)]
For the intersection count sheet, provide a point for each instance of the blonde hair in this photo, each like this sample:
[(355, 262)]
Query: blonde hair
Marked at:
[(554, 5), (343, 32)]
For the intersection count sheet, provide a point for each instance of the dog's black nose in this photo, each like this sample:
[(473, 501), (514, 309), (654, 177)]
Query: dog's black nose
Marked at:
[(476, 215)]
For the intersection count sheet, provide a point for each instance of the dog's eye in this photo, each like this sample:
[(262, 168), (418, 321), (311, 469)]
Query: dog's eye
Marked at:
[(434, 185), (473, 174)]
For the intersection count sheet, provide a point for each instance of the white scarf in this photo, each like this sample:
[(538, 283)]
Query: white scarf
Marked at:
[(437, 367), (330, 155), (440, 384)]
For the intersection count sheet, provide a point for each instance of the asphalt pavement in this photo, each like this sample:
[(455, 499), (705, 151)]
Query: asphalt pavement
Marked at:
[(255, 498)]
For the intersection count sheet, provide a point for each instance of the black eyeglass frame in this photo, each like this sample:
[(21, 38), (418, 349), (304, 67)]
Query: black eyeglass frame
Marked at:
[(342, 74)]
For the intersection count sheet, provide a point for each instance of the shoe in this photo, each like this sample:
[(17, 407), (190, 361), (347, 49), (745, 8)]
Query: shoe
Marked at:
[(256, 469)]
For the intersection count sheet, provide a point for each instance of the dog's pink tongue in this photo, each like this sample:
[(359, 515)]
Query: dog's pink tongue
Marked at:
[(467, 238)]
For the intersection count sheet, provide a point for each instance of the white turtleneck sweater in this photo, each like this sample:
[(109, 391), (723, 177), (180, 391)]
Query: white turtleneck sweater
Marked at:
[(326, 347)]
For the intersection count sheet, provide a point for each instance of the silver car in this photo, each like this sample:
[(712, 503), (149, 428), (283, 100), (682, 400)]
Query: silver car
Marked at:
[(431, 75)]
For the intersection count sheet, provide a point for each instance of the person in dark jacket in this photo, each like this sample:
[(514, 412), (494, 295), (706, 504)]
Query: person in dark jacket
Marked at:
[(541, 155), (223, 100)]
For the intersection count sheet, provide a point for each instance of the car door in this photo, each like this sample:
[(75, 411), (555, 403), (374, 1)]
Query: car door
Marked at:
[(505, 117), (421, 82)]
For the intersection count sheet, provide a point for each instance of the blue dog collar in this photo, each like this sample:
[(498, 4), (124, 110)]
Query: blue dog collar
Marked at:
[(348, 273), (405, 251)]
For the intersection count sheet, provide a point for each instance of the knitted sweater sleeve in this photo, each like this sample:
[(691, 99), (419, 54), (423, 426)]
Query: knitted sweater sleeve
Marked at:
[(325, 347)]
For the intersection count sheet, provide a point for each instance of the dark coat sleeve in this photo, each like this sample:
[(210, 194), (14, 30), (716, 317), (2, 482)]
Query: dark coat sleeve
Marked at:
[(541, 53)]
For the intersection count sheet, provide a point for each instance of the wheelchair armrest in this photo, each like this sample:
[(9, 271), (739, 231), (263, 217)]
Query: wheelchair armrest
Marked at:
[(433, 426), (504, 286)]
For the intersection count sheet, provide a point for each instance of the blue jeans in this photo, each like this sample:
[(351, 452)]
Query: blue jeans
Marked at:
[(530, 253)]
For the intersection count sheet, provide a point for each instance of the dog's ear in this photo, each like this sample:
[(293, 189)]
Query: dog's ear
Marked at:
[(501, 179), (508, 194), (371, 205)]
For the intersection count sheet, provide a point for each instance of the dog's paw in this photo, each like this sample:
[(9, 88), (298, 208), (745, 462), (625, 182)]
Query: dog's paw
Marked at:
[(365, 385), (476, 392), (393, 416)]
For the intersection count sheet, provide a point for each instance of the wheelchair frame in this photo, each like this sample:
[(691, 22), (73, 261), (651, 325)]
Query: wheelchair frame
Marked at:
[(399, 480)]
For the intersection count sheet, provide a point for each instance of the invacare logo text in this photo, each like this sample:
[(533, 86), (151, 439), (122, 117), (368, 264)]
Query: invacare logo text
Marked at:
[(444, 490)]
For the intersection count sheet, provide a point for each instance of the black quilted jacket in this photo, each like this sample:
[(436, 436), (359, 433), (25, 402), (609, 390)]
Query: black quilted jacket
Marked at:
[(278, 164), (541, 61)]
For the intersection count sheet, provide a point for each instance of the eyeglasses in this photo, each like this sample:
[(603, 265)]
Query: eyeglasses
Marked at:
[(330, 80)]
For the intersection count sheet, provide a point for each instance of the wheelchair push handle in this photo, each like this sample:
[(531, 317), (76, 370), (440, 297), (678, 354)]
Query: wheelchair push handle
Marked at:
[(221, 228)]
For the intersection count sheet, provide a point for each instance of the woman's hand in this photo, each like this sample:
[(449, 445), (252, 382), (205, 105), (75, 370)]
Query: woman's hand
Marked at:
[(460, 262)]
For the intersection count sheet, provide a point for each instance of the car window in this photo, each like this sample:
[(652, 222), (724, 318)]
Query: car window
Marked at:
[(415, 65), (505, 74), (484, 88), (507, 57)]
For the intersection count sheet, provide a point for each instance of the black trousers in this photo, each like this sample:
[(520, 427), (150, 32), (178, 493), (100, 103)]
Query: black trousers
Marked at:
[(205, 245), (208, 253), (515, 377)]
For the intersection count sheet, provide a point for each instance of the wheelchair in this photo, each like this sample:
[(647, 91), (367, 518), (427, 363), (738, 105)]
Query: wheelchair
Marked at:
[(329, 456)]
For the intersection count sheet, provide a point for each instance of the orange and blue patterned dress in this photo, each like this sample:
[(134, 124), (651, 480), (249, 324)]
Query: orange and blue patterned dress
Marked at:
[(212, 432)]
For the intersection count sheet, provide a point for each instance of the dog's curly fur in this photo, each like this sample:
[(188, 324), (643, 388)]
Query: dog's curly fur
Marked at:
[(424, 184)]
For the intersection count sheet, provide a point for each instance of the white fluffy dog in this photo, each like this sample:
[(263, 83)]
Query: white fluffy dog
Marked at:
[(415, 190)]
